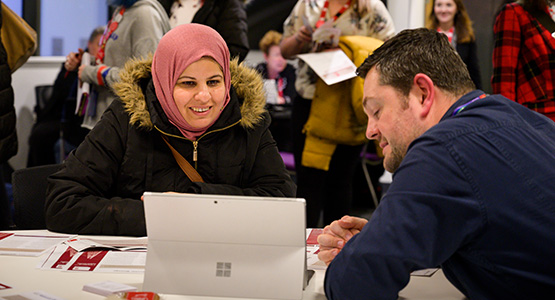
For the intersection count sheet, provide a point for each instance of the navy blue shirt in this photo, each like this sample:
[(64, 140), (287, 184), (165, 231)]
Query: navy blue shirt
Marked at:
[(474, 194)]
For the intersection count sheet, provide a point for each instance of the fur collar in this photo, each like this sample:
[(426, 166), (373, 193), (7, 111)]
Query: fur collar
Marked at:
[(247, 83)]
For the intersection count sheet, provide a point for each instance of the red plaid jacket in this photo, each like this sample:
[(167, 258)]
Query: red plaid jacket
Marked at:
[(524, 60)]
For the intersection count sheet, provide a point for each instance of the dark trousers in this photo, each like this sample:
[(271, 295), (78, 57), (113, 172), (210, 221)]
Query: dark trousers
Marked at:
[(328, 192)]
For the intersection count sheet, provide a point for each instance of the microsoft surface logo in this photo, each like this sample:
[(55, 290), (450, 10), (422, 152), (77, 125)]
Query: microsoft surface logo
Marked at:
[(223, 269)]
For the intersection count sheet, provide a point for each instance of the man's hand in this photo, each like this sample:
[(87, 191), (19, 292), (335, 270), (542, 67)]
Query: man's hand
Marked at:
[(336, 235)]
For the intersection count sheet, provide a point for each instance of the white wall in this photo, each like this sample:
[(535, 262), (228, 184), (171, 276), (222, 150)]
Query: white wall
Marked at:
[(36, 71), (407, 14)]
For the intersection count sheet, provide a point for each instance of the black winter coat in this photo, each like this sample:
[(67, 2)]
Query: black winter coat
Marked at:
[(99, 188), (228, 18), (8, 135)]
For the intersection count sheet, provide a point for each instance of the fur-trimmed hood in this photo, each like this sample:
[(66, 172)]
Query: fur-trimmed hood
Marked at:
[(246, 81)]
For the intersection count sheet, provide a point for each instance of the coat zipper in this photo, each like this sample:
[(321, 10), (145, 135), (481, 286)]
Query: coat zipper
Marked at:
[(195, 152), (195, 143)]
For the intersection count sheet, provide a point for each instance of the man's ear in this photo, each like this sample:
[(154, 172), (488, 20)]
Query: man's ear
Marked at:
[(426, 92)]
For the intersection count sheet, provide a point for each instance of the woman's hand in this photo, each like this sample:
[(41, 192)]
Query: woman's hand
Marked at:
[(304, 35), (80, 71), (295, 43), (73, 60)]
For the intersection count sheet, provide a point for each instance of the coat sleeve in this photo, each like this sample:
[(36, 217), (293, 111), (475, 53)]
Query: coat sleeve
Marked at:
[(264, 174), (79, 195), (146, 29), (232, 25), (419, 224)]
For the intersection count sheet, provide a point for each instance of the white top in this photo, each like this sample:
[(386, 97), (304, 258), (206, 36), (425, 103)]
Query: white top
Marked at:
[(183, 11)]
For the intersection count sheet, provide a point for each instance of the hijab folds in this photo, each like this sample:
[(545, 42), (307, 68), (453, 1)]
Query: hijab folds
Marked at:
[(179, 48)]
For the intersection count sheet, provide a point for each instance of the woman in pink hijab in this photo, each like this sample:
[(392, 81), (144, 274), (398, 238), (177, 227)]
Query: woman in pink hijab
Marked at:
[(186, 103)]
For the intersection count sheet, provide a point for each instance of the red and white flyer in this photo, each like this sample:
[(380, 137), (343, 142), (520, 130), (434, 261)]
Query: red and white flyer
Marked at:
[(65, 258)]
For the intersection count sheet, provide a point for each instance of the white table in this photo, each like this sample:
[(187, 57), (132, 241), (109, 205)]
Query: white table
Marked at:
[(22, 275)]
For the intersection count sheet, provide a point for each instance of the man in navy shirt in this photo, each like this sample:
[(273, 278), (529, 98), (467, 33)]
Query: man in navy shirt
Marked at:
[(473, 186)]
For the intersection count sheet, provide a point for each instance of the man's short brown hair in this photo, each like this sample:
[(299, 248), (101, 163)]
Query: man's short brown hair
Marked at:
[(414, 51)]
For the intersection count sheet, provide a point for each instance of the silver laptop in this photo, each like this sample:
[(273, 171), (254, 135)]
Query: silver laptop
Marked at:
[(227, 246)]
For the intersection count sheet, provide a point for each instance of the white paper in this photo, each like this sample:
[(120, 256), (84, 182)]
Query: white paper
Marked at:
[(83, 243), (271, 91), (83, 88), (22, 244), (312, 261), (106, 288), (312, 249), (123, 262), (331, 66), (38, 295), (325, 37)]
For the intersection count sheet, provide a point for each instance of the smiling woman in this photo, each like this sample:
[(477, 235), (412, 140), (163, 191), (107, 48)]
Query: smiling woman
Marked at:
[(450, 17), (208, 109)]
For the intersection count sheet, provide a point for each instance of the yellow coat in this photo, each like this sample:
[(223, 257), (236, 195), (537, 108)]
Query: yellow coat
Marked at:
[(336, 115)]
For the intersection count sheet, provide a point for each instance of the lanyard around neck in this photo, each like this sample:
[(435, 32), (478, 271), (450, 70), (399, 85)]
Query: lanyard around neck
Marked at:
[(460, 108), (322, 19), (110, 28)]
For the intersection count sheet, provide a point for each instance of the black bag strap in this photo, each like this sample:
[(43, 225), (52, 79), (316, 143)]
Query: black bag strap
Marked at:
[(193, 175), (542, 17)]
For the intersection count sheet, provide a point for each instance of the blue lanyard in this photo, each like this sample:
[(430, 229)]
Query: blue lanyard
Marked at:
[(460, 108)]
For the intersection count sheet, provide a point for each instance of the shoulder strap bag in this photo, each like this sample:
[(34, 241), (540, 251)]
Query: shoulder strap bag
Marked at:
[(184, 164)]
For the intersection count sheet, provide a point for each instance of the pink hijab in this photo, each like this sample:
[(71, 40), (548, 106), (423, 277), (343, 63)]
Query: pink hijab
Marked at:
[(178, 48)]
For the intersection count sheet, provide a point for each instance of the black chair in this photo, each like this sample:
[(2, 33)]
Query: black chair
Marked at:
[(43, 93), (29, 194), (372, 159)]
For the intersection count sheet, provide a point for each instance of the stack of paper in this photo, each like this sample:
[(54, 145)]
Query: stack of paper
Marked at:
[(106, 288)]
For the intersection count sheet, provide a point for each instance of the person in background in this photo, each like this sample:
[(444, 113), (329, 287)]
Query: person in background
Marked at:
[(8, 133), (277, 69), (59, 111), (134, 31), (473, 183), (327, 191), (181, 99), (227, 17), (524, 52), (450, 18)]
